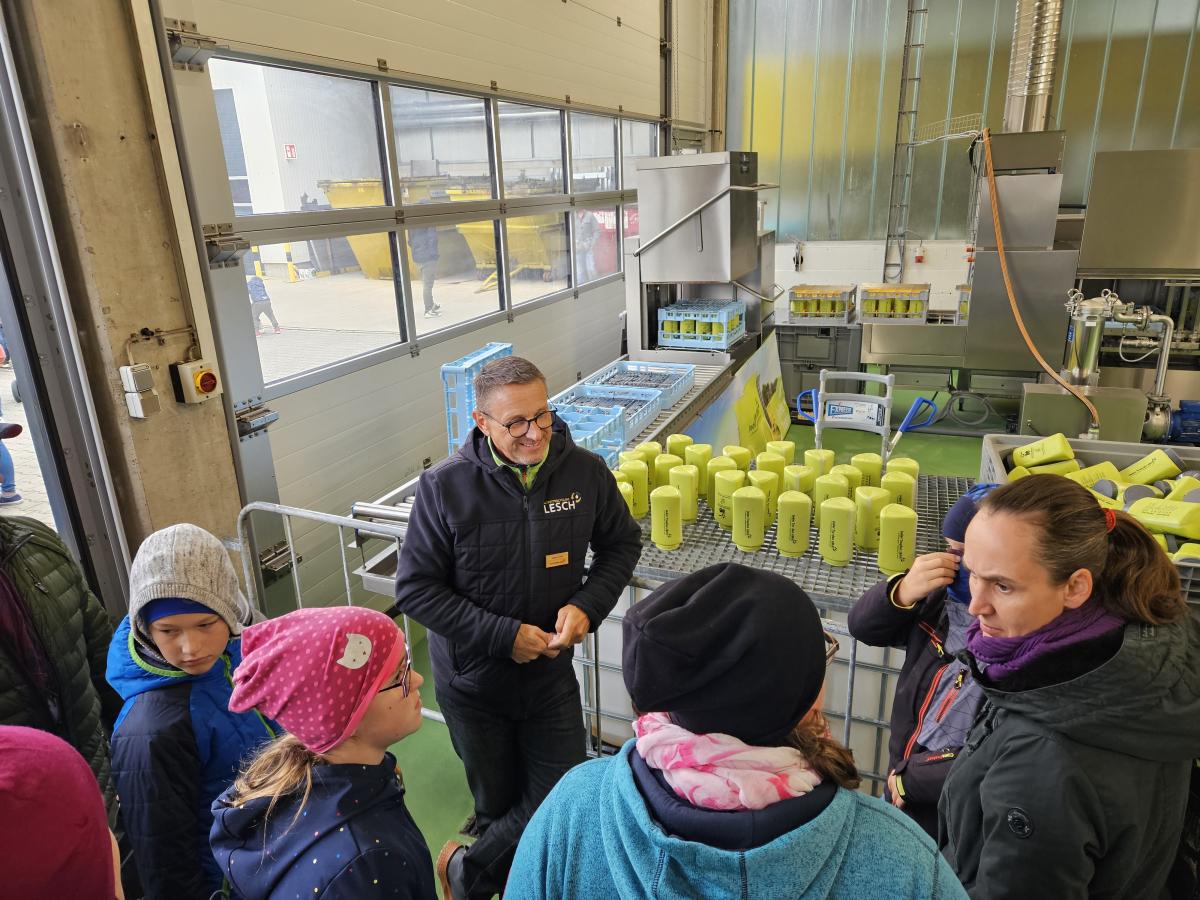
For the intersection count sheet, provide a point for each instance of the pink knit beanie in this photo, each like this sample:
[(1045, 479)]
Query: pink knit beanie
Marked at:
[(315, 671)]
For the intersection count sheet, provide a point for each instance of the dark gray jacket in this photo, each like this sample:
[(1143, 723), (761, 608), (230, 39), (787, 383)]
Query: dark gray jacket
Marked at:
[(482, 556), (1077, 789)]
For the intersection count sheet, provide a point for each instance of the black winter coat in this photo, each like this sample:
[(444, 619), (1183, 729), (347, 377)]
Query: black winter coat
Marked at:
[(75, 630), (921, 632), (1076, 788), (482, 556)]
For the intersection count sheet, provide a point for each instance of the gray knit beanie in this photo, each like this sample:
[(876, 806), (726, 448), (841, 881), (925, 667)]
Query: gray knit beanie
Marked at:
[(186, 561)]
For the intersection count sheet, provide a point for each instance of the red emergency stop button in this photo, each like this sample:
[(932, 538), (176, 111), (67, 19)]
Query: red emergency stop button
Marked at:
[(206, 381)]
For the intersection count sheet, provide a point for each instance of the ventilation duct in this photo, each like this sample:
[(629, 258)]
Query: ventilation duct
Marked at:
[(1031, 69)]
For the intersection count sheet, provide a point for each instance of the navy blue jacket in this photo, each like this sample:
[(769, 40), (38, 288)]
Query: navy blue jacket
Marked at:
[(175, 748), (481, 557), (423, 243), (353, 838)]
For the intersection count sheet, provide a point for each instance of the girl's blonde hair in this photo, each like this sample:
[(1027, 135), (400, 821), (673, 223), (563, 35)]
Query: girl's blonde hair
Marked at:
[(282, 767)]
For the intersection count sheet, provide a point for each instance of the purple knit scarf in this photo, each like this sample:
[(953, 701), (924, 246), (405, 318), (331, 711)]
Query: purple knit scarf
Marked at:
[(999, 657)]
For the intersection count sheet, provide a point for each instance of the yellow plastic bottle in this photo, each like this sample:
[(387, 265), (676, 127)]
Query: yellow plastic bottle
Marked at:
[(897, 539), (836, 540), (650, 451), (1090, 475), (904, 464), (1153, 466), (619, 476), (820, 461), (767, 482), (1062, 467), (1018, 472), (868, 504), (628, 456), (715, 465), (795, 516), (1189, 552), (825, 488), (1168, 517), (1183, 486), (786, 449), (676, 444), (1047, 450), (770, 462), (639, 477), (1106, 502), (685, 479), (852, 475), (626, 490), (666, 524), (901, 487), (749, 518), (698, 455), (871, 467), (739, 455), (799, 478), (727, 481), (663, 464), (1161, 540)]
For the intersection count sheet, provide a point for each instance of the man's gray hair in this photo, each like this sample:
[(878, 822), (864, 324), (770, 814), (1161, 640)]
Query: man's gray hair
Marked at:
[(501, 373)]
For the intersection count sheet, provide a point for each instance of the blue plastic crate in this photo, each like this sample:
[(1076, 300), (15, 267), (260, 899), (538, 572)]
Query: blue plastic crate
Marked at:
[(673, 379), (458, 380), (593, 426), (702, 324), (641, 405), (610, 455)]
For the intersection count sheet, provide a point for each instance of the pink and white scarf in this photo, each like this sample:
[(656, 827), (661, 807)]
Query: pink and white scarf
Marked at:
[(717, 771)]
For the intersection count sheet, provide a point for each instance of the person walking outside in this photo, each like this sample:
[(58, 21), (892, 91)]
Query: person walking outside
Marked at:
[(423, 244), (260, 304), (493, 566)]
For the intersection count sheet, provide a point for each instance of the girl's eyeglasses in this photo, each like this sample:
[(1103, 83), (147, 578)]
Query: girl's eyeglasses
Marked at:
[(405, 675)]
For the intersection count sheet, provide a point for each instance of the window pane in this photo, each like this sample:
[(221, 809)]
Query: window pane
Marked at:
[(320, 301), (597, 252), (639, 140), (593, 153), (452, 270), (304, 140), (441, 146), (630, 212), (531, 148), (537, 256)]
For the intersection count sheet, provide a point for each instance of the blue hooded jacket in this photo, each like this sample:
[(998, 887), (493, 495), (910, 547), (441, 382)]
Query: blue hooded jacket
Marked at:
[(595, 837), (353, 838), (175, 748)]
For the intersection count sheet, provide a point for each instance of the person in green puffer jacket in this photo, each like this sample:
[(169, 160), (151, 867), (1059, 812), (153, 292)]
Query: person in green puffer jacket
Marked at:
[(54, 637)]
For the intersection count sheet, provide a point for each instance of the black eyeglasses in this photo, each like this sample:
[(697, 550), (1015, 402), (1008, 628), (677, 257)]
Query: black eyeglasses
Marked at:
[(520, 427), (405, 675)]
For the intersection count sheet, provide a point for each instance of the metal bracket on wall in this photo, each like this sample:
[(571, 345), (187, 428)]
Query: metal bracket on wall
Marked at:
[(253, 421), (224, 248), (276, 561), (190, 50)]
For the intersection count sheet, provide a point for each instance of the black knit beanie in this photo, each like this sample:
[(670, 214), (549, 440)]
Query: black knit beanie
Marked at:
[(727, 649)]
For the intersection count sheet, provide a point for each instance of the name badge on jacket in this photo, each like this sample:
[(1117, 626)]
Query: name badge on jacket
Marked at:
[(553, 560)]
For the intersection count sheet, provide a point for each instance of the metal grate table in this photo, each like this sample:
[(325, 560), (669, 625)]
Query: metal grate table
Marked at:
[(831, 587)]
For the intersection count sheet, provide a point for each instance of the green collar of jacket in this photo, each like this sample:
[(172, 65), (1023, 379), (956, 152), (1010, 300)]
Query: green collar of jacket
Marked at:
[(525, 474)]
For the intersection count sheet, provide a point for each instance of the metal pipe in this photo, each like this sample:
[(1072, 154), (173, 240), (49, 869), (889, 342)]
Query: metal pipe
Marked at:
[(1143, 318), (1032, 65)]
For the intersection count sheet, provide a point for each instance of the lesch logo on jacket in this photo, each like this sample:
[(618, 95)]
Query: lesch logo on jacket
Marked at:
[(562, 504)]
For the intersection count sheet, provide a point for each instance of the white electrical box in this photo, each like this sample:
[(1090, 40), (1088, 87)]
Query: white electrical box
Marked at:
[(137, 378), (195, 381), (142, 404)]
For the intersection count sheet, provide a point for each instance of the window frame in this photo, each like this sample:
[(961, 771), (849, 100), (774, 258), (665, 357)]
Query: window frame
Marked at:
[(396, 218)]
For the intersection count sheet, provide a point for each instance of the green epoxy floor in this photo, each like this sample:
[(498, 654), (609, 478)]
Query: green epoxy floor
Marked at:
[(436, 787)]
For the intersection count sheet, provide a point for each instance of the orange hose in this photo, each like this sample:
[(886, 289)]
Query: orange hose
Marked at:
[(1012, 299)]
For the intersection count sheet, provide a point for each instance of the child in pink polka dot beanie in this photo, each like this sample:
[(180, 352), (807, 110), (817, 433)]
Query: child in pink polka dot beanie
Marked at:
[(320, 811)]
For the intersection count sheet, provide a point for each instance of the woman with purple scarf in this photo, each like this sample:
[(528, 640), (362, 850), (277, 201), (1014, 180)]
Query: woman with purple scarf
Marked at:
[(1074, 779), (924, 613)]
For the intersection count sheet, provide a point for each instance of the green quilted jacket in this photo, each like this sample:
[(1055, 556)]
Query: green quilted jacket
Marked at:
[(75, 630)]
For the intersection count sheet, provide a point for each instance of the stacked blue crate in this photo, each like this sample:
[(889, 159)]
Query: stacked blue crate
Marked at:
[(642, 405), (458, 379), (600, 429), (673, 379)]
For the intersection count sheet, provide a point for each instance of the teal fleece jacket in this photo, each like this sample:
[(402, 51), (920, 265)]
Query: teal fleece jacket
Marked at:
[(594, 837)]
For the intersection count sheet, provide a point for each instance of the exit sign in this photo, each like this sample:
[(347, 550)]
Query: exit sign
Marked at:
[(289, 151)]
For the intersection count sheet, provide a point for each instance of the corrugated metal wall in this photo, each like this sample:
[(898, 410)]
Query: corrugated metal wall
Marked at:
[(813, 88)]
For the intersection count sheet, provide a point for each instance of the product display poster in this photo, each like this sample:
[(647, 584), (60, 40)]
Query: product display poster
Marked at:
[(752, 410)]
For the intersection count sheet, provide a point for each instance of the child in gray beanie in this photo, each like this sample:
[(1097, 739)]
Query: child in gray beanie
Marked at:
[(176, 746)]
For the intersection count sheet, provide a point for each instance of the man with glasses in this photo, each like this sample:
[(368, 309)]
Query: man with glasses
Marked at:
[(493, 566)]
